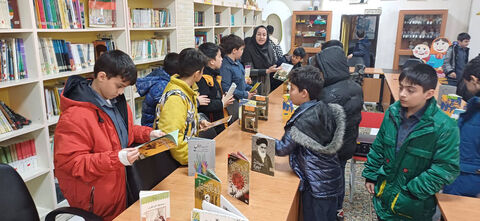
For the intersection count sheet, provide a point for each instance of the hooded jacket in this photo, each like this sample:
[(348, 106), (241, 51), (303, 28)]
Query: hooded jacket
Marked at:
[(210, 85), (151, 86), (342, 90), (179, 112), (89, 172), (407, 180), (312, 137)]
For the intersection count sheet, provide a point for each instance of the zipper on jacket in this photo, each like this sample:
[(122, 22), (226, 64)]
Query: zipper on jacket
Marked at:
[(382, 187), (92, 194)]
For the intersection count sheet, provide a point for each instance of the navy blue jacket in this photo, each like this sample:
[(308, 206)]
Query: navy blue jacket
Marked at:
[(312, 137), (469, 124), (362, 49), (151, 86)]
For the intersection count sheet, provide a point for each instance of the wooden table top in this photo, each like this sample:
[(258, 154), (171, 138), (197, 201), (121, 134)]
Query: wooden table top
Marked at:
[(271, 198), (459, 208), (392, 81), (368, 70)]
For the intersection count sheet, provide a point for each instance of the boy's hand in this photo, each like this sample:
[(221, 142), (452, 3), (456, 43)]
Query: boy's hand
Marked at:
[(128, 155), (204, 123), (453, 75), (272, 69), (203, 100), (248, 80), (370, 187), (227, 100), (350, 56), (156, 133), (250, 95)]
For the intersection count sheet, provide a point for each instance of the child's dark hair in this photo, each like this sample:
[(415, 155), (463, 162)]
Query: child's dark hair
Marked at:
[(300, 52), (472, 68), (230, 42), (420, 74), (170, 64), (209, 49), (190, 61), (332, 43), (463, 36), (270, 29), (360, 33), (309, 78), (116, 63), (262, 140)]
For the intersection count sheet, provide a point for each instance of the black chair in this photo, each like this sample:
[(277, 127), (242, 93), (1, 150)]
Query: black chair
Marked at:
[(354, 61), (17, 204)]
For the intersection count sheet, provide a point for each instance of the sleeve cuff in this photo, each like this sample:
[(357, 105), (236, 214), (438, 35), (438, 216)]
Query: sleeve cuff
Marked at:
[(370, 181)]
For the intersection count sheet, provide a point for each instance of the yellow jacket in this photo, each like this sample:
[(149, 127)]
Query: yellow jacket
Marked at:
[(177, 112)]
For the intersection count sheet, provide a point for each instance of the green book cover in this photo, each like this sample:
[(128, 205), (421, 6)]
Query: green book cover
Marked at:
[(8, 154), (3, 157), (207, 187)]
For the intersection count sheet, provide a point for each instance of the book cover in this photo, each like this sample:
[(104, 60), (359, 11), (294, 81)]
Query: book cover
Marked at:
[(249, 117), (263, 154), (158, 145), (450, 102), (14, 15), (229, 210), (255, 87), (4, 14), (287, 108), (102, 13), (262, 104), (283, 73), (238, 177), (154, 205), (201, 155), (208, 188), (204, 215)]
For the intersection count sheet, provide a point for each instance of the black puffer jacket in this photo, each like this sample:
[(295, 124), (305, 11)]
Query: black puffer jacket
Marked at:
[(340, 89)]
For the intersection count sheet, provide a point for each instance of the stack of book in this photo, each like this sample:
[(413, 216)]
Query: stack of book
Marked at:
[(199, 18), (20, 155), (9, 16), (12, 59), (52, 100), (60, 14), (10, 120), (150, 18), (60, 56)]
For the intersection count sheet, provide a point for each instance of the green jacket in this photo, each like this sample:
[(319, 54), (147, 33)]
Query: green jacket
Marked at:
[(406, 182)]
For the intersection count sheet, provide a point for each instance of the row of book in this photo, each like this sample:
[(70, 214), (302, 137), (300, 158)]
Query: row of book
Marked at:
[(200, 38), (150, 18), (59, 56), (10, 120), (22, 156), (52, 100), (150, 48), (13, 64), (199, 18), (9, 16), (60, 14)]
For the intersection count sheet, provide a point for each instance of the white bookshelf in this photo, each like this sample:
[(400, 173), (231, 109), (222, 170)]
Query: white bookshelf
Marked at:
[(27, 96)]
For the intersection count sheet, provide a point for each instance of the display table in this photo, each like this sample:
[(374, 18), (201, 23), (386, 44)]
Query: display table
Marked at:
[(271, 198), (458, 207)]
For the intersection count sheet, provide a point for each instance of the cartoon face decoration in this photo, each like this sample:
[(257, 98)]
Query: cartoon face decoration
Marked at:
[(421, 51), (440, 45)]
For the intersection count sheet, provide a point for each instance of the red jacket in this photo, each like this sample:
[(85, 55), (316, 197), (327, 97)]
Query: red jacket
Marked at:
[(86, 151)]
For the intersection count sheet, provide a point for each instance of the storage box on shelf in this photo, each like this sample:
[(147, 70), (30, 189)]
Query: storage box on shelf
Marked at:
[(310, 29), (417, 27)]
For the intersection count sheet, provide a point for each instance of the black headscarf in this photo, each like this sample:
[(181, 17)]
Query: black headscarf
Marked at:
[(262, 55)]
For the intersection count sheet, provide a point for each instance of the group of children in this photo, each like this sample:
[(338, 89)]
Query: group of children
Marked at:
[(415, 154)]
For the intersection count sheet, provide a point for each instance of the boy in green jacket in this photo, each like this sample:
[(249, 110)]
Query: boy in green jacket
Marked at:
[(415, 153)]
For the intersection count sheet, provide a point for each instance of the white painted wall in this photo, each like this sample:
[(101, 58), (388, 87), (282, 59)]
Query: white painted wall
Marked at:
[(458, 19), (474, 29)]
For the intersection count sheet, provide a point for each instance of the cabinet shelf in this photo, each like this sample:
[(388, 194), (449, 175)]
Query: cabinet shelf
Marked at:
[(146, 61), (153, 29), (80, 30), (34, 174), (10, 31), (299, 28), (53, 120), (13, 83), (26, 129), (68, 73)]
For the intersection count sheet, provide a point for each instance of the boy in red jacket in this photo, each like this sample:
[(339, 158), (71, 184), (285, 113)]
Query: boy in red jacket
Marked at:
[(92, 136)]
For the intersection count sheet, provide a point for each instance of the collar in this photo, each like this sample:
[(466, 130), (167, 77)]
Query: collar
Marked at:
[(102, 101), (229, 60), (303, 107), (417, 115)]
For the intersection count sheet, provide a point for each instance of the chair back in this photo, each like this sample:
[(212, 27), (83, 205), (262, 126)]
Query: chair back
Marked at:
[(15, 200), (354, 61)]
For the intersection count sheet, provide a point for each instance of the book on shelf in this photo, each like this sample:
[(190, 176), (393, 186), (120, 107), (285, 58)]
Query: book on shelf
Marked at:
[(200, 38), (239, 177), (218, 38), (154, 205), (12, 59), (59, 14), (208, 188), (199, 17), (102, 13), (217, 18), (262, 104), (450, 102), (148, 49), (226, 211), (15, 120), (60, 56), (150, 18), (14, 14), (201, 155), (4, 15), (249, 113), (105, 43), (20, 154), (52, 100), (158, 145), (263, 154)]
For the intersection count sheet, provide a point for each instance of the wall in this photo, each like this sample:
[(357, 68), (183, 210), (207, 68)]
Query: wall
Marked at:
[(458, 19), (473, 29)]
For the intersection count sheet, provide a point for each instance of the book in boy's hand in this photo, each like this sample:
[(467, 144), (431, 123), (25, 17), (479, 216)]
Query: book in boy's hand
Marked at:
[(238, 177), (247, 71), (201, 155), (229, 93), (262, 104), (282, 74), (263, 154), (158, 145), (450, 102), (154, 205), (224, 120), (255, 87), (207, 187)]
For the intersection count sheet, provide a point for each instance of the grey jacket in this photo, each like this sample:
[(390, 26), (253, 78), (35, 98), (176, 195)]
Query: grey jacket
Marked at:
[(449, 61)]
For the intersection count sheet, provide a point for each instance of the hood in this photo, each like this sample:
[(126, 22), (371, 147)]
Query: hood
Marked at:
[(157, 76), (333, 64), (314, 132), (176, 83)]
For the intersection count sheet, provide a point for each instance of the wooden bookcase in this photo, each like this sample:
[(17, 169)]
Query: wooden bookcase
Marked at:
[(416, 27), (310, 29)]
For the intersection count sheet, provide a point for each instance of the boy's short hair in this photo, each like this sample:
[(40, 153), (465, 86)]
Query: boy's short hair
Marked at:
[(262, 140), (360, 33), (472, 68), (209, 49), (332, 43), (116, 63), (309, 78), (230, 42), (300, 52), (420, 74), (170, 63), (463, 36), (190, 61), (270, 29)]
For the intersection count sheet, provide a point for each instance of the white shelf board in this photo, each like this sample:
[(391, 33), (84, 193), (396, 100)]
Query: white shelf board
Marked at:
[(153, 29), (34, 174), (53, 120), (68, 73), (221, 26), (80, 30), (42, 212), (202, 27), (152, 60), (13, 83), (10, 31), (26, 129)]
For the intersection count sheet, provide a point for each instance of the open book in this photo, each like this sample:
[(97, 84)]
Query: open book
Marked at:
[(154, 205), (218, 122), (255, 87), (158, 145), (282, 74), (225, 212)]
